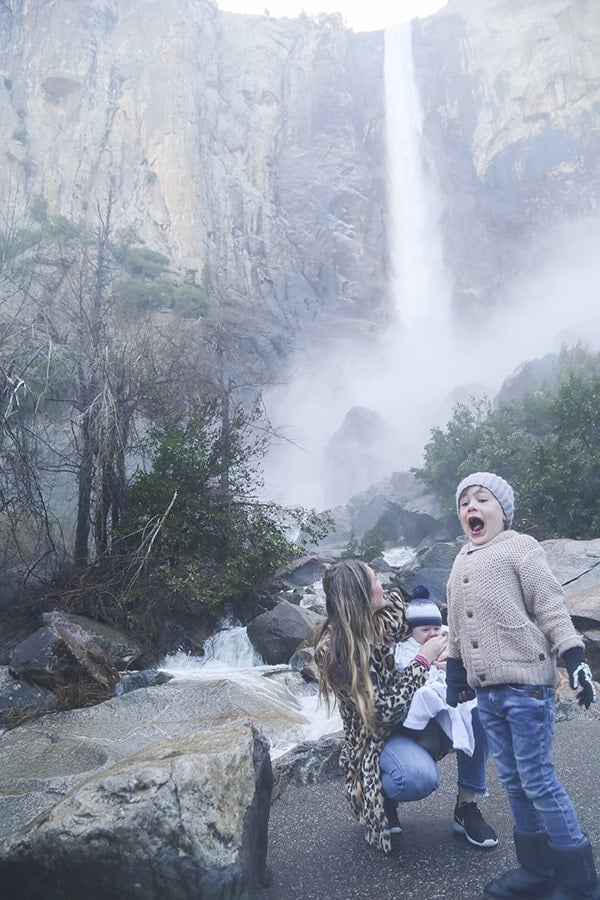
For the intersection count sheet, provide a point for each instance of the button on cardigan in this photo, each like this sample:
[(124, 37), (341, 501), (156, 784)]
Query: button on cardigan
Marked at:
[(507, 616)]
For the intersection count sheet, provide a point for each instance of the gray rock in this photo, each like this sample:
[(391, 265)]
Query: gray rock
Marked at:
[(398, 508), (167, 787), (183, 818), (133, 681), (276, 634), (575, 563), (303, 661), (311, 762), (120, 648), (20, 701), (430, 566), (60, 654), (302, 572)]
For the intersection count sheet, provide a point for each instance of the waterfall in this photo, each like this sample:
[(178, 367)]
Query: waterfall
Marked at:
[(411, 367), (421, 294)]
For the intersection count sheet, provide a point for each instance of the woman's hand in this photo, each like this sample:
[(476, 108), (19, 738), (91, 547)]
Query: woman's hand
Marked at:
[(434, 648)]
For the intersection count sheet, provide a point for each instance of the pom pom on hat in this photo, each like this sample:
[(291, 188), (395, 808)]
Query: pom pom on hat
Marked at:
[(497, 486), (421, 610)]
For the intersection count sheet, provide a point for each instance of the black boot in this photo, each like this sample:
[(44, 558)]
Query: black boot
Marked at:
[(535, 875), (575, 873)]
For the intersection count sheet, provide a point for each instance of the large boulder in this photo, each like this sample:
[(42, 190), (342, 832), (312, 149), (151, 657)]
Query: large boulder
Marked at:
[(430, 566), (122, 650), (63, 653), (185, 818), (163, 792), (302, 571), (576, 564), (277, 633), (310, 762), (399, 509)]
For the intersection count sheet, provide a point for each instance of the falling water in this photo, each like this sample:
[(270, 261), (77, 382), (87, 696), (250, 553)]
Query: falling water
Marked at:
[(419, 285), (410, 374)]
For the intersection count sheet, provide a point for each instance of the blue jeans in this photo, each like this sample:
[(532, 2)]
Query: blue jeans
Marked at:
[(408, 772), (519, 723)]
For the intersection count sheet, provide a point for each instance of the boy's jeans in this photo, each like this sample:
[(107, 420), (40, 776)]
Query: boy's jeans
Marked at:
[(408, 772), (519, 723)]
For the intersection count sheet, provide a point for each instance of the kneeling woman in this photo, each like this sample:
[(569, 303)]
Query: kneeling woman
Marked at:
[(356, 664)]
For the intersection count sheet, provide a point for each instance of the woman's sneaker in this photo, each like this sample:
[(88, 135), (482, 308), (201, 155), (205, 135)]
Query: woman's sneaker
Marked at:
[(469, 822), (391, 811)]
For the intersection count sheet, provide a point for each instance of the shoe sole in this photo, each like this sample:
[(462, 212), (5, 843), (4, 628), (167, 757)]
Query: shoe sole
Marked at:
[(396, 829), (486, 845)]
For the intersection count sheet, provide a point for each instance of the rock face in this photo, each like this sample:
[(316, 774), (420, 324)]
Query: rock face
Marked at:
[(251, 150), (247, 149), (512, 115)]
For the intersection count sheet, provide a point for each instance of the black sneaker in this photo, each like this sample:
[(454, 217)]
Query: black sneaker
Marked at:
[(391, 811), (469, 821)]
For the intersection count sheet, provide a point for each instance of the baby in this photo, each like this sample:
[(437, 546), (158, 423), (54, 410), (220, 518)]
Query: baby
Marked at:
[(425, 621), (429, 702)]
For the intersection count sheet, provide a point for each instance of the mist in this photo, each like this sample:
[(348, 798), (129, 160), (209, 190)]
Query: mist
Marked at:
[(413, 371)]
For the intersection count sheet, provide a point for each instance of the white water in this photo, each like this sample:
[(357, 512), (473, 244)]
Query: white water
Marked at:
[(420, 290), (229, 654)]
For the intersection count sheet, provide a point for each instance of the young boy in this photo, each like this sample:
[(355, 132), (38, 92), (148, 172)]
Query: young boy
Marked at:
[(429, 702), (507, 623)]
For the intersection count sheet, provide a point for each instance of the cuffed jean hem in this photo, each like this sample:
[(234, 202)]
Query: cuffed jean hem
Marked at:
[(471, 769)]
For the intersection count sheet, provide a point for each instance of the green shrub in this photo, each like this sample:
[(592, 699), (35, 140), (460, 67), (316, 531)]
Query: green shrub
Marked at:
[(198, 511), (547, 445)]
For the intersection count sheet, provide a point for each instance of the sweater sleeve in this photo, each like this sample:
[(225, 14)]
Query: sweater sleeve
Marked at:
[(545, 601)]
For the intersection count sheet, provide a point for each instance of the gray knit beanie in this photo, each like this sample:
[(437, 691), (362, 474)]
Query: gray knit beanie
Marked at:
[(497, 486)]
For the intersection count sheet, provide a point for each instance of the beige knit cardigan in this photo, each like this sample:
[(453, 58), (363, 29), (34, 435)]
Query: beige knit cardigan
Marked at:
[(507, 616)]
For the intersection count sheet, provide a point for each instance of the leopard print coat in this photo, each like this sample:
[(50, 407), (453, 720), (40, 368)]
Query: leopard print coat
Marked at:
[(360, 752)]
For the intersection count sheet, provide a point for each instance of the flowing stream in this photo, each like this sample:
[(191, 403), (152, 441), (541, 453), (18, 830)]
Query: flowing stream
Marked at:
[(229, 654)]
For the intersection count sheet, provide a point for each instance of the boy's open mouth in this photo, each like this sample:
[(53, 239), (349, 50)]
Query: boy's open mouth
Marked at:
[(475, 524)]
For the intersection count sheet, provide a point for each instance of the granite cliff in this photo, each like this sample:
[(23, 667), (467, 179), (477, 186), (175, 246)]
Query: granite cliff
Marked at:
[(511, 90), (253, 149)]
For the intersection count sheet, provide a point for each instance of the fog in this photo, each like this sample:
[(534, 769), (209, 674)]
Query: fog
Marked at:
[(412, 374)]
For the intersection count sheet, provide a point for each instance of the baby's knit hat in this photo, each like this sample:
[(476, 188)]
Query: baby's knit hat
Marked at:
[(497, 486), (421, 610)]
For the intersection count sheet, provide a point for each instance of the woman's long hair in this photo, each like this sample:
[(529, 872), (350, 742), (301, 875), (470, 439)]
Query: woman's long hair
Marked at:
[(352, 631)]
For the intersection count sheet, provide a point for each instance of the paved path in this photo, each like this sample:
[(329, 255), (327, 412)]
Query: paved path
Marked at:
[(317, 850)]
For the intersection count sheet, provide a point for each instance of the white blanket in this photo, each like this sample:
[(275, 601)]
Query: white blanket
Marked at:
[(429, 702)]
